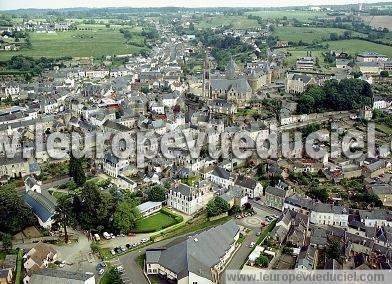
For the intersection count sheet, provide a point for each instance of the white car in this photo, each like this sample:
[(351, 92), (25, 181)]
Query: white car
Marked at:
[(101, 271), (144, 241), (252, 244), (120, 269)]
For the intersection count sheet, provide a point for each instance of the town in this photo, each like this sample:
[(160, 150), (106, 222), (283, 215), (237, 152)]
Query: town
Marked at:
[(280, 76)]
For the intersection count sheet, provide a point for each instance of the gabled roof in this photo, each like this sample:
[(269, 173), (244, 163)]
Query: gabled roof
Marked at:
[(197, 254)]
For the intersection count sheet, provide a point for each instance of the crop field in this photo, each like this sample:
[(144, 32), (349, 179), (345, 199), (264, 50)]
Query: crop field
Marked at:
[(299, 15), (357, 46), (308, 35), (239, 22), (97, 42), (379, 21)]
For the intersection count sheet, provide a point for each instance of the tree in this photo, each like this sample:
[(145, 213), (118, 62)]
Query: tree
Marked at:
[(7, 242), (384, 74), (15, 215), (76, 170), (333, 251), (217, 206), (114, 276), (156, 193), (125, 217), (262, 261), (64, 215)]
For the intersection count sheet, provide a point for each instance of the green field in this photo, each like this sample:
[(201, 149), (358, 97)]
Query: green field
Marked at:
[(308, 35), (154, 223), (96, 43), (356, 46), (238, 22), (299, 15)]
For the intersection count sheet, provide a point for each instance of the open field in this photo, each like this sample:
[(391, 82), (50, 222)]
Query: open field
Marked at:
[(308, 35), (219, 21), (96, 43), (154, 222), (299, 15), (356, 46), (379, 21)]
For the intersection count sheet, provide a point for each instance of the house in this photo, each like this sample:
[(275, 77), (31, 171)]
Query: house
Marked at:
[(61, 277), (39, 256), (113, 166), (376, 217), (383, 191), (328, 214), (307, 259), (149, 207), (6, 276), (299, 204), (222, 106), (371, 57), (188, 199), (250, 187), (276, 195), (376, 168), (369, 67), (41, 202), (236, 197), (342, 63), (305, 63), (222, 177), (292, 227), (197, 259), (296, 83)]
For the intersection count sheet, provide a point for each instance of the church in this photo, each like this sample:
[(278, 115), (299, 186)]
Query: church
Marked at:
[(233, 85)]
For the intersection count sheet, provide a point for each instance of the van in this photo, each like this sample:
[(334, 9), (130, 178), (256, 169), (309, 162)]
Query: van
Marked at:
[(97, 238)]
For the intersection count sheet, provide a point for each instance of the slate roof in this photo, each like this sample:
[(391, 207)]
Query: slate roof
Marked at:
[(246, 182), (43, 205), (49, 276), (198, 253), (238, 85), (275, 191)]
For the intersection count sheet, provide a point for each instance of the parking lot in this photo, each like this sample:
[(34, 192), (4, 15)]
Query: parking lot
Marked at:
[(256, 220)]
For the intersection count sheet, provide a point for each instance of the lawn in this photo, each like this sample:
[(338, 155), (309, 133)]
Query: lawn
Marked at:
[(355, 46), (308, 35), (299, 15), (154, 223), (239, 22), (19, 276), (97, 42)]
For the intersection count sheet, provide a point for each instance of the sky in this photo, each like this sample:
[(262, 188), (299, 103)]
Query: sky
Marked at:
[(17, 4)]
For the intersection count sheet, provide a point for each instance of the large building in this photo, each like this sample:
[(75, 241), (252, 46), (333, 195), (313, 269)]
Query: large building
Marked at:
[(197, 259), (234, 86), (371, 57), (57, 276)]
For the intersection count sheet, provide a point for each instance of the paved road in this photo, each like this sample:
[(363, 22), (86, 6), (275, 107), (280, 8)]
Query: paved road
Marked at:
[(240, 255)]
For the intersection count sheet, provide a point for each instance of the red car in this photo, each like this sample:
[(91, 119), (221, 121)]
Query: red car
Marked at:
[(131, 234)]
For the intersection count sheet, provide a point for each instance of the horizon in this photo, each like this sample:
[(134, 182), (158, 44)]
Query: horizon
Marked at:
[(88, 4)]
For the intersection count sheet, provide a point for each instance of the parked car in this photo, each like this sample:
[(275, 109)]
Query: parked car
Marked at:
[(258, 233), (120, 269), (252, 244), (144, 241), (128, 246), (113, 252), (131, 234), (101, 271)]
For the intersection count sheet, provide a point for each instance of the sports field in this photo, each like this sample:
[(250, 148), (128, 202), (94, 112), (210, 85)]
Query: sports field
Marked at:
[(308, 35), (97, 42)]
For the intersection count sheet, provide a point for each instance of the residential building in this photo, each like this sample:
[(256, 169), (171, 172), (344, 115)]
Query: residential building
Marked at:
[(188, 199), (39, 256), (328, 214), (371, 57), (305, 63)]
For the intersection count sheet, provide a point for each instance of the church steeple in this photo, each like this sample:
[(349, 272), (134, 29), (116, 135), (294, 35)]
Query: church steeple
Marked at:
[(206, 77)]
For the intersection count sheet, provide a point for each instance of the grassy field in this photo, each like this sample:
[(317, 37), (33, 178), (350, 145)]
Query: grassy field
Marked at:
[(357, 46), (238, 22), (308, 35), (96, 43), (299, 15), (154, 223)]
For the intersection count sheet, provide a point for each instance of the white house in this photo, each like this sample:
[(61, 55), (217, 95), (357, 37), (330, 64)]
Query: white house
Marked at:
[(376, 218), (328, 214), (222, 177)]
